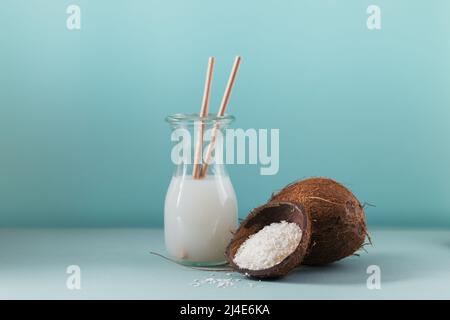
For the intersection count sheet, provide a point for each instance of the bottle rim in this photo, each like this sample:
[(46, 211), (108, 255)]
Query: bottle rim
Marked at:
[(192, 118)]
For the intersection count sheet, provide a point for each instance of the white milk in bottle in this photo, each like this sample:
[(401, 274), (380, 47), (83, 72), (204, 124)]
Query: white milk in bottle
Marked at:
[(199, 218)]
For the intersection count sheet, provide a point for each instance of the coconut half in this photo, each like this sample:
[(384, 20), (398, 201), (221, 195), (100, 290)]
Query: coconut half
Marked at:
[(264, 216)]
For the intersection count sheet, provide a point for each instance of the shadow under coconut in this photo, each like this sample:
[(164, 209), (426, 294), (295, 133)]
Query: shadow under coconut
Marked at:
[(353, 270)]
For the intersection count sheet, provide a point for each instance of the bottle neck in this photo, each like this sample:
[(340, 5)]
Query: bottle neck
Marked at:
[(199, 149)]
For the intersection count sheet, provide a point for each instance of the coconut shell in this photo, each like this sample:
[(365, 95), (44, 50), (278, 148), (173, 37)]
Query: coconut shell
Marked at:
[(338, 220), (263, 216)]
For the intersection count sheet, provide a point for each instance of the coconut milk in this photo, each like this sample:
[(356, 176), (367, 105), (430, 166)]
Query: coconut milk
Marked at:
[(199, 217)]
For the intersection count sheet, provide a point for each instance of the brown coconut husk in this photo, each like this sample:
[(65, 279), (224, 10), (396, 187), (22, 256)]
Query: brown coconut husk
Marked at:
[(263, 216), (338, 220)]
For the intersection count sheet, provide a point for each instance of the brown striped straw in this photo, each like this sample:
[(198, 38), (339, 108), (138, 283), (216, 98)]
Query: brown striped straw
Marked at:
[(221, 113), (196, 174)]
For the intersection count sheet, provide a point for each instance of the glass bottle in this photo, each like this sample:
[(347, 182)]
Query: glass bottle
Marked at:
[(200, 211)]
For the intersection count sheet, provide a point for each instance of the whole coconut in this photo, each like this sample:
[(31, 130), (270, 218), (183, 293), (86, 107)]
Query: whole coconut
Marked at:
[(338, 220)]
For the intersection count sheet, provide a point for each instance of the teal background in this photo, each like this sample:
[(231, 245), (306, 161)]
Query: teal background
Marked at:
[(82, 136)]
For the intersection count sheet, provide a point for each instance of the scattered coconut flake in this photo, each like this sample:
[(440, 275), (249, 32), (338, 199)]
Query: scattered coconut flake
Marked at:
[(269, 246), (216, 282)]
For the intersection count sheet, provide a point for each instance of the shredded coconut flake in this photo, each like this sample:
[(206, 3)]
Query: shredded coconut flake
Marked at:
[(228, 282), (269, 246), (217, 282)]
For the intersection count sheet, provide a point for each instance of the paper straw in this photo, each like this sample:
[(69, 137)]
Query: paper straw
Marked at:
[(203, 113)]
